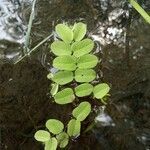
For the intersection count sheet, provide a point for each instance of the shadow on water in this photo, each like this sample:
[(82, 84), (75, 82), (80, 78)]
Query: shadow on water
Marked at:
[(122, 41)]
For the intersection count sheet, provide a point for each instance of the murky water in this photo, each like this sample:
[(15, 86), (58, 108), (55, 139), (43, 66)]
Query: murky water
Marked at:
[(122, 42)]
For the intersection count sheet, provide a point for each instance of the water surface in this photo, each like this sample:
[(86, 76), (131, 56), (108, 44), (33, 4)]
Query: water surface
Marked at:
[(122, 42)]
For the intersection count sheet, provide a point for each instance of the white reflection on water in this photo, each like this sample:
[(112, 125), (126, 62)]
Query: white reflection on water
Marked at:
[(104, 119), (12, 27), (109, 31), (145, 139)]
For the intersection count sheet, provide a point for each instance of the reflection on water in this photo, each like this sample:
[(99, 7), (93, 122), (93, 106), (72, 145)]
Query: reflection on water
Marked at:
[(122, 40), (109, 32), (11, 24), (12, 29), (103, 119)]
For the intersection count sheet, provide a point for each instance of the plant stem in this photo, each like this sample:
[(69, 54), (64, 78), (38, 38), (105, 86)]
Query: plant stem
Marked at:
[(33, 49), (27, 37), (140, 10), (89, 127)]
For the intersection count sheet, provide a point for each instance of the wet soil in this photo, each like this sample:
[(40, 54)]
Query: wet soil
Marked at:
[(121, 41)]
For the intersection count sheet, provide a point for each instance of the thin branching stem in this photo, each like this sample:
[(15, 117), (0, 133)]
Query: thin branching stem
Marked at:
[(27, 38), (33, 49)]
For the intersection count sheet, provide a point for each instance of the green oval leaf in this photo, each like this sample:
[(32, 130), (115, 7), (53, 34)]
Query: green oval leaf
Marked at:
[(63, 139), (54, 126), (74, 127), (87, 61), (54, 89), (82, 111), (84, 89), (79, 31), (60, 48), (42, 136), (65, 63), (85, 75), (64, 32), (65, 96), (63, 77), (51, 145), (82, 47), (101, 90)]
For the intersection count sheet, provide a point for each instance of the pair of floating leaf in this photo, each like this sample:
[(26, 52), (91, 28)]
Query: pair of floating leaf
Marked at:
[(67, 34), (65, 96), (85, 75), (54, 126), (51, 145), (63, 77), (81, 75), (101, 90), (62, 139), (82, 47), (87, 61), (82, 111), (84, 89), (42, 136), (65, 63), (60, 48)]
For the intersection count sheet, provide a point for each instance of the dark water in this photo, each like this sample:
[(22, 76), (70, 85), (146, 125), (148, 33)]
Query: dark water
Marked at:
[(122, 40)]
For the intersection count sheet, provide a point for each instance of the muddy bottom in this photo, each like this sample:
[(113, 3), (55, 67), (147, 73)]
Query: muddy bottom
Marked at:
[(121, 42)]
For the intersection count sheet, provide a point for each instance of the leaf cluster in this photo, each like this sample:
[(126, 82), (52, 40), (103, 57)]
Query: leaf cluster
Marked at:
[(55, 135), (75, 63)]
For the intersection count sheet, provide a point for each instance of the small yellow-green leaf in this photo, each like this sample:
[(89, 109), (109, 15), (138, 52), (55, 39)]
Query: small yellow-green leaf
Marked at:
[(51, 145), (82, 47), (74, 127), (79, 31), (64, 32), (85, 75), (101, 90), (60, 48), (63, 77), (65, 96), (87, 61), (50, 76), (42, 136), (82, 111), (65, 63), (62, 139), (54, 126), (54, 89), (84, 89)]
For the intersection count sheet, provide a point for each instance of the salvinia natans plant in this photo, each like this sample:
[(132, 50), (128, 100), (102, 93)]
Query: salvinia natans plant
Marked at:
[(74, 62)]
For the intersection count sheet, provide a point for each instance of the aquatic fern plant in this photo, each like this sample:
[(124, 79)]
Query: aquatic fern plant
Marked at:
[(74, 63)]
